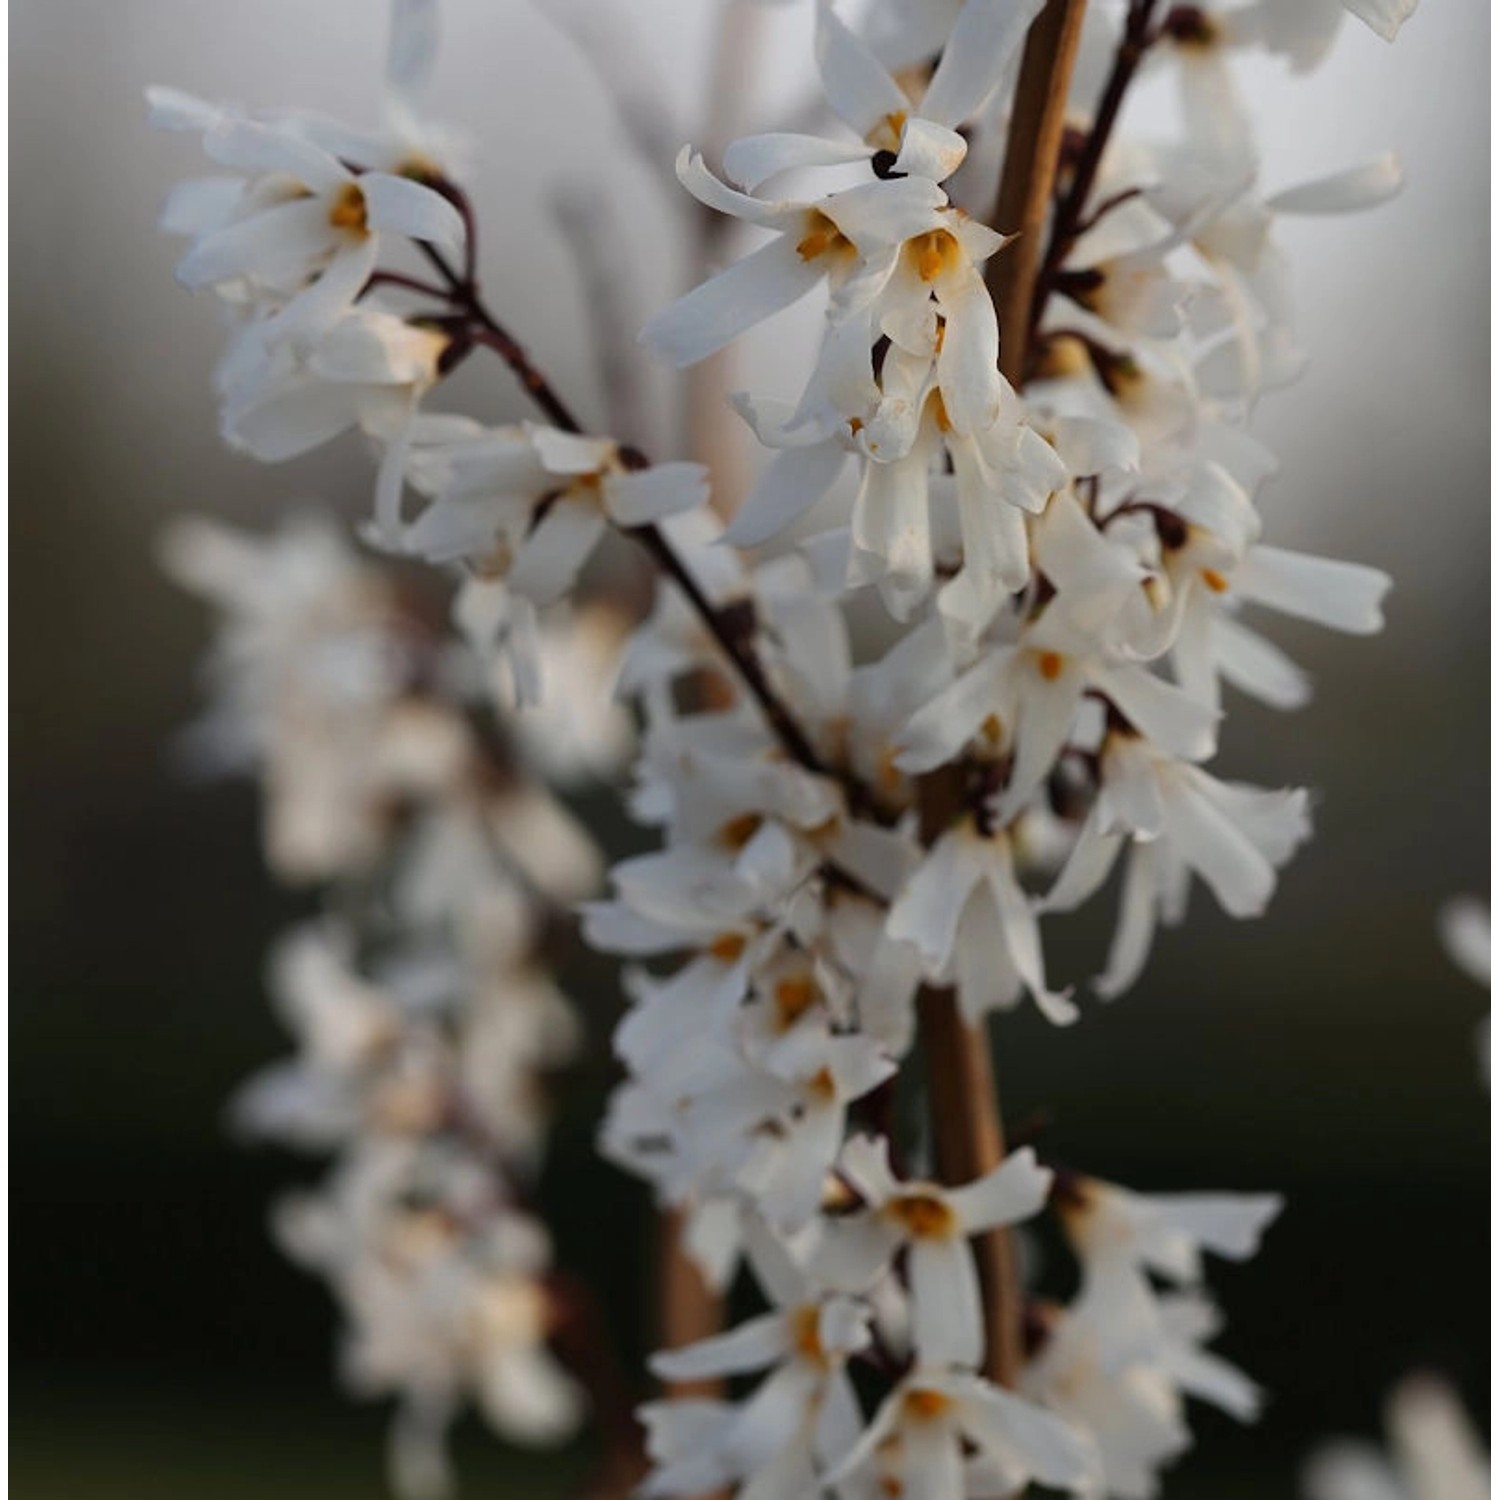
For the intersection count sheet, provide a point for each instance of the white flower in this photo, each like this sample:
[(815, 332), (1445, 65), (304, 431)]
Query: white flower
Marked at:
[(313, 675), (1466, 935), (801, 1416), (1025, 698), (1438, 1455), (923, 1428), (1118, 1363), (919, 141), (933, 1224), (528, 503), (1178, 821), (1165, 1233), (369, 369), (300, 230), (831, 239), (965, 912), (1304, 30)]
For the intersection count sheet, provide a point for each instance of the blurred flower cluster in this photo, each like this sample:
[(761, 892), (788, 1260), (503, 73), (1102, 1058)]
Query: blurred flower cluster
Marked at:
[(420, 998)]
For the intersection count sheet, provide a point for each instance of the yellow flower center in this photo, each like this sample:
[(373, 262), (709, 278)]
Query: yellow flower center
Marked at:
[(923, 1216), (823, 238), (822, 1086), (805, 1338), (925, 1406), (934, 253), (793, 996), (738, 832), (348, 211), (727, 947)]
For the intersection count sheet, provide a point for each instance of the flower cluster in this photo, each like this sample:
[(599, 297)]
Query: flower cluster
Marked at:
[(859, 843), (425, 1016)]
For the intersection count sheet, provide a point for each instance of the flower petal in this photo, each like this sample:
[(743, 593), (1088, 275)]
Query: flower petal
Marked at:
[(755, 159), (641, 496), (856, 84), (1341, 595), (397, 205), (985, 38), (554, 552), (721, 309), (751, 1346)]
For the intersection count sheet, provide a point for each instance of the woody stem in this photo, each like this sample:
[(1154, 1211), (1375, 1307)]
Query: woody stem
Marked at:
[(1068, 222), (1026, 183), (967, 1137)]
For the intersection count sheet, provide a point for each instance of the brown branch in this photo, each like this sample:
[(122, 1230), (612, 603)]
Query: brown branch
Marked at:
[(1068, 223), (967, 1138), (688, 1309), (964, 1106), (463, 294), (1031, 156), (967, 1142), (739, 651), (579, 1337)]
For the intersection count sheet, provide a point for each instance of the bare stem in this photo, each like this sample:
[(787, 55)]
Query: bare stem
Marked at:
[(688, 1310), (967, 1142), (1068, 222), (967, 1139), (1035, 142)]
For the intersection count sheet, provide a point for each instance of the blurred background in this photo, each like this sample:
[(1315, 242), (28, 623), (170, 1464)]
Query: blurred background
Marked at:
[(160, 1345)]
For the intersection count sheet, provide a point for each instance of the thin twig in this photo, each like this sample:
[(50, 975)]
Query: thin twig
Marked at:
[(463, 293), (1036, 130), (737, 648), (1068, 222)]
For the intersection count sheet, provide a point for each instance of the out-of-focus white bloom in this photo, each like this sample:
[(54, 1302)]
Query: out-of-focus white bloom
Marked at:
[(314, 674), (1466, 935), (1165, 1233), (1304, 32), (1119, 1363), (933, 1225), (1437, 1453), (298, 234), (1177, 821), (798, 1420), (964, 897), (442, 1290), (529, 504), (424, 1028), (919, 1441)]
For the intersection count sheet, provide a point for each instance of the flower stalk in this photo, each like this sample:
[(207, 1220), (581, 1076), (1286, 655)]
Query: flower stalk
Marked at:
[(1030, 172), (968, 1138)]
